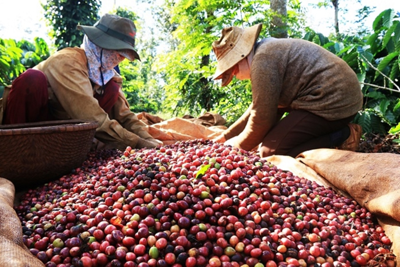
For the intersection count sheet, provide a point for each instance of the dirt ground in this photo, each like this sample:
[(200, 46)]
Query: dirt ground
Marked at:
[(374, 143)]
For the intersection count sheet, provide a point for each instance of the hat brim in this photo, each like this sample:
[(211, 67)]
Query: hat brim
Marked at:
[(241, 50), (106, 41)]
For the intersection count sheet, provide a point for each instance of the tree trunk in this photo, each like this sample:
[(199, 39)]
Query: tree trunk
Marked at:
[(278, 27), (335, 4), (205, 85)]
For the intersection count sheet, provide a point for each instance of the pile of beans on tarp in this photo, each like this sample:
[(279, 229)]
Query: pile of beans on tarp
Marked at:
[(194, 203)]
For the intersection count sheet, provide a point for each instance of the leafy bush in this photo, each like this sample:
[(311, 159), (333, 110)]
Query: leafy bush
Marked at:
[(33, 53), (63, 17), (16, 57), (381, 84), (10, 61), (375, 59), (135, 86)]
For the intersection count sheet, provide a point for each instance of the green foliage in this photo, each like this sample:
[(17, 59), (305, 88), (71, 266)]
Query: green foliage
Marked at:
[(16, 57), (237, 98), (370, 121), (125, 13), (381, 61), (174, 76), (188, 64), (140, 81), (10, 63), (63, 16), (134, 86), (375, 59), (33, 53)]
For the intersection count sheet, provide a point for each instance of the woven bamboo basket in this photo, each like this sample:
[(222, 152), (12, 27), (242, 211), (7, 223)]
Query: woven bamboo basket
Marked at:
[(36, 153)]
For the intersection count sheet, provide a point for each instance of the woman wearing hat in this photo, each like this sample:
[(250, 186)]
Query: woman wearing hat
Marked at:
[(320, 92), (81, 83)]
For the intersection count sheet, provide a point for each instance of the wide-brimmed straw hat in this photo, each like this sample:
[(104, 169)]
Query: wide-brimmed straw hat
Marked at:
[(114, 33), (234, 45)]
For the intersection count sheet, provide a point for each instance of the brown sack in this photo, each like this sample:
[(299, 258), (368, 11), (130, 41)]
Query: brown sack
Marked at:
[(287, 163), (207, 119), (177, 129), (372, 179), (13, 252), (207, 126), (148, 118)]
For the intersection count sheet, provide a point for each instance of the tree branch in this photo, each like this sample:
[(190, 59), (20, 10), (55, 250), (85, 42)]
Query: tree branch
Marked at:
[(377, 86), (380, 87)]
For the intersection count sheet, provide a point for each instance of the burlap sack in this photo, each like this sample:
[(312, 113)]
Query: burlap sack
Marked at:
[(13, 252), (148, 118), (372, 179), (207, 119), (177, 129), (287, 163)]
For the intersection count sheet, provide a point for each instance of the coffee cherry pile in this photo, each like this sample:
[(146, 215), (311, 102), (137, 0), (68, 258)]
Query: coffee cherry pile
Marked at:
[(194, 203)]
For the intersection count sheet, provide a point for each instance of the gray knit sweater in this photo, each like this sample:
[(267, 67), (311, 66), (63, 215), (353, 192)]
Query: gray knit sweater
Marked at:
[(295, 74)]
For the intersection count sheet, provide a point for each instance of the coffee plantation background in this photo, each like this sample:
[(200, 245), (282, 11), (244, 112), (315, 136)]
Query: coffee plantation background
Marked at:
[(173, 78)]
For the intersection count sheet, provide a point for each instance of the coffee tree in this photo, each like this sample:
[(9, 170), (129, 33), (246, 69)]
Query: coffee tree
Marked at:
[(64, 16), (375, 59), (16, 57)]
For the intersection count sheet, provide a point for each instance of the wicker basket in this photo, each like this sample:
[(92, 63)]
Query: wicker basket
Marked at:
[(35, 153)]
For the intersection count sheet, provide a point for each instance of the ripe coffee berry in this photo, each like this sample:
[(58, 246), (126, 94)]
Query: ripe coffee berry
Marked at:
[(193, 203)]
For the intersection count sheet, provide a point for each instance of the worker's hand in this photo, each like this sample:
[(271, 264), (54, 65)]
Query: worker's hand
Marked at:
[(148, 143), (232, 142), (219, 139), (158, 142)]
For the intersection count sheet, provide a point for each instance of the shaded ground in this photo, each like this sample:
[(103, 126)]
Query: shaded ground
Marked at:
[(374, 143)]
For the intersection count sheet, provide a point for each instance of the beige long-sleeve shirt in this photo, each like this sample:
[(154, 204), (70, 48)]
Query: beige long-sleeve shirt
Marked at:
[(71, 96), (295, 74)]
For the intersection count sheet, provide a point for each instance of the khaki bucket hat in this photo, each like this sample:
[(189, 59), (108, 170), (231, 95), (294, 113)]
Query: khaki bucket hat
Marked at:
[(114, 33), (234, 45)]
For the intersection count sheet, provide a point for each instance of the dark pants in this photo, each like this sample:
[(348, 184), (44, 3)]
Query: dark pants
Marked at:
[(27, 100), (300, 131)]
